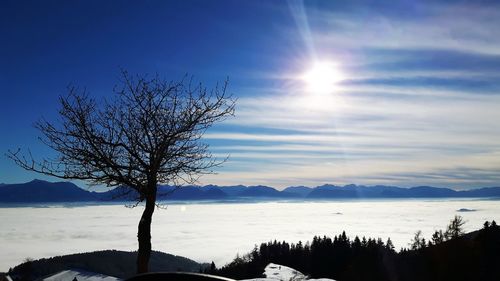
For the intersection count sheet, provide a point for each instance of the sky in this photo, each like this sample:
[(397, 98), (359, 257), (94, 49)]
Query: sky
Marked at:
[(412, 97)]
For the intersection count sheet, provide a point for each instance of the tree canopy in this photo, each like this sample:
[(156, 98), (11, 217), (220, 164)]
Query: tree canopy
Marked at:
[(150, 131)]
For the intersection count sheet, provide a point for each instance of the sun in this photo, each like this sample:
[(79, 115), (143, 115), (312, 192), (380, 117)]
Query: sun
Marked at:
[(322, 78)]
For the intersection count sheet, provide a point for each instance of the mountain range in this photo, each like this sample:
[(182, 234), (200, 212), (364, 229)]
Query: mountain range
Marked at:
[(42, 191)]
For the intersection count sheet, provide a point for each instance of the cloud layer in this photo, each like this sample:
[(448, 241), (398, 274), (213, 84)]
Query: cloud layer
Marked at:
[(217, 232)]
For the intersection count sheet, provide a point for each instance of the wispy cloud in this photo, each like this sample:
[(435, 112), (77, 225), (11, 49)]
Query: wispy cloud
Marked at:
[(464, 27), (418, 105)]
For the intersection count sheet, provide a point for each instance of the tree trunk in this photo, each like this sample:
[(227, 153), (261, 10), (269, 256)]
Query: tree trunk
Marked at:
[(144, 231)]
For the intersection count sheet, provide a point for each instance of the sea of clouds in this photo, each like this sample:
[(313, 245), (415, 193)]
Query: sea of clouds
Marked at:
[(218, 231)]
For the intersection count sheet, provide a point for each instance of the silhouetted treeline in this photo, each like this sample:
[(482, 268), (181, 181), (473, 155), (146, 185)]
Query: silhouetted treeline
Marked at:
[(473, 256)]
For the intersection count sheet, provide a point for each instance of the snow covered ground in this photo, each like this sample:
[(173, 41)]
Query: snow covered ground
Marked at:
[(273, 272), (276, 272), (80, 275)]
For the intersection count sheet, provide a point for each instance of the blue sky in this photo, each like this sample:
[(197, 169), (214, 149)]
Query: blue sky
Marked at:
[(416, 98)]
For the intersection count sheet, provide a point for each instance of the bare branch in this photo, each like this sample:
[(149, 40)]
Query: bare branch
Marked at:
[(151, 130)]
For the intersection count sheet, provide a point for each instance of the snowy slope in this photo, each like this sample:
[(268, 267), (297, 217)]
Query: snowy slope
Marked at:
[(276, 272), (80, 275)]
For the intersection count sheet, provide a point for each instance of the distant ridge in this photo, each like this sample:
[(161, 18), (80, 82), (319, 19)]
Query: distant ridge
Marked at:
[(38, 191), (43, 191)]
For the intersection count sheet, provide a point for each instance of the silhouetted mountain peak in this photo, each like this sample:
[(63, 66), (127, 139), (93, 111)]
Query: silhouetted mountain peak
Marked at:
[(44, 191), (38, 181), (327, 186)]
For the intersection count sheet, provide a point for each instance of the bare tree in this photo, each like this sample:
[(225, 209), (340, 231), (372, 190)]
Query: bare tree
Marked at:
[(418, 241), (455, 228), (150, 132), (438, 237)]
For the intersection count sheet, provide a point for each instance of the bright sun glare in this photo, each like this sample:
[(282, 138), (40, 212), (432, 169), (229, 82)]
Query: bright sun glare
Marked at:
[(322, 78)]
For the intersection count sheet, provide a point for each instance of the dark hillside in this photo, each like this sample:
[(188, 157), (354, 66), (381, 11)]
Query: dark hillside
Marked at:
[(474, 256), (471, 257), (110, 262)]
